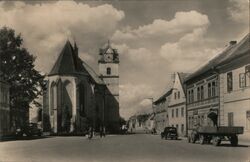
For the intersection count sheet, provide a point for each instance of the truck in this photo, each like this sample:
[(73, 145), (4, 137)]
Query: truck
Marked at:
[(216, 134)]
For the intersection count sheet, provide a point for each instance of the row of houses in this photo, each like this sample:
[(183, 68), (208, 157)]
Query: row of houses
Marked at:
[(220, 88)]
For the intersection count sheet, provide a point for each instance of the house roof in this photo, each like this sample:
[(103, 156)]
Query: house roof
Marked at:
[(182, 77), (163, 97), (230, 53)]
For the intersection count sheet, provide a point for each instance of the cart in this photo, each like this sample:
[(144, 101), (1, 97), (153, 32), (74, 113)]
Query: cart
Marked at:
[(207, 134)]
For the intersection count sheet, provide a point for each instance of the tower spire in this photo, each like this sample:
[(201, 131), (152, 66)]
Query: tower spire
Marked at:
[(75, 46)]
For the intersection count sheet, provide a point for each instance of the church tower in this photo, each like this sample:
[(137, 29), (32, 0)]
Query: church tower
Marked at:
[(109, 69)]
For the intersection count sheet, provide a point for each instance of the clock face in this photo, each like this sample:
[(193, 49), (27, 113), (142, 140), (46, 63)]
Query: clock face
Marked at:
[(108, 57)]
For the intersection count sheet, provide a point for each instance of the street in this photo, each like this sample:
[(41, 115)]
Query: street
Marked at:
[(113, 148)]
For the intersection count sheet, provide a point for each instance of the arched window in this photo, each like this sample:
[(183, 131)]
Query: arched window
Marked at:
[(108, 70), (53, 98), (81, 99)]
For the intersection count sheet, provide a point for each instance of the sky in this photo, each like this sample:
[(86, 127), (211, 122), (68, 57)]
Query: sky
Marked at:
[(154, 38)]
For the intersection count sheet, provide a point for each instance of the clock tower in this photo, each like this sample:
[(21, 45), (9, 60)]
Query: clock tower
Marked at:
[(109, 69)]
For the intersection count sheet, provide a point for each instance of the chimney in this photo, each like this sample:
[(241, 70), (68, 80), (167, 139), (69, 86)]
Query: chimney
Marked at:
[(232, 43)]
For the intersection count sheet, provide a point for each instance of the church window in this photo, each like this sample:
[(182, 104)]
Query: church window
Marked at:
[(108, 70), (81, 100), (53, 98)]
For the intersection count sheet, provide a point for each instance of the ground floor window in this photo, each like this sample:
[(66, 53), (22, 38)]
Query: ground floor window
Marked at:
[(182, 128), (230, 119), (248, 120)]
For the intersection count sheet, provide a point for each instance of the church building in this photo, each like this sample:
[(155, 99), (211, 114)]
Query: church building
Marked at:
[(77, 97)]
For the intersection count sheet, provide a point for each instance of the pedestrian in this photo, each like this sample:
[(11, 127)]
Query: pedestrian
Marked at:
[(90, 133), (101, 131)]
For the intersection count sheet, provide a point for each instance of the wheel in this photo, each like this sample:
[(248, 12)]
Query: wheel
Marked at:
[(234, 140), (216, 141), (202, 139), (193, 138)]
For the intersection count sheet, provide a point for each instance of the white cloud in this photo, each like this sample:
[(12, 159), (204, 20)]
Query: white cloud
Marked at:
[(46, 26), (132, 96), (183, 22), (239, 11), (188, 52)]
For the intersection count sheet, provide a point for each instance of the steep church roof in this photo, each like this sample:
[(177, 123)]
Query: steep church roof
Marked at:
[(68, 62), (65, 63), (93, 74)]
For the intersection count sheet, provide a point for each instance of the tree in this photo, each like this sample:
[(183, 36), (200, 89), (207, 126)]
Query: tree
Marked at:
[(17, 66)]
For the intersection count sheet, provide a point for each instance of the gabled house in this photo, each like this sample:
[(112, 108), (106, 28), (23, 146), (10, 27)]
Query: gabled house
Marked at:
[(177, 104)]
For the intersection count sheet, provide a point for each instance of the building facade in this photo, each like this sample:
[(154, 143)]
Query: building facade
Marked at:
[(235, 87), (218, 93), (76, 97), (177, 105), (160, 108), (5, 121), (202, 99)]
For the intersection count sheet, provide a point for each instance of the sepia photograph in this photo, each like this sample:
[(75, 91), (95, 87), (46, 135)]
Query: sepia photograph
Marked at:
[(124, 81)]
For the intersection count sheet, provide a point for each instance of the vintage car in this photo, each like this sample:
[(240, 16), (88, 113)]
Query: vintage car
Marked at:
[(30, 129), (169, 133)]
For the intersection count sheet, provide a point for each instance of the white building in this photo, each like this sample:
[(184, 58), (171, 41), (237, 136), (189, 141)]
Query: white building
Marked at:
[(235, 87), (177, 105)]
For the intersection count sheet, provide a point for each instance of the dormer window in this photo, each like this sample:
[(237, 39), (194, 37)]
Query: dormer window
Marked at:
[(108, 71)]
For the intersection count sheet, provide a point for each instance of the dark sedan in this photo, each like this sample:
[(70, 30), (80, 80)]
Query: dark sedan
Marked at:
[(169, 133)]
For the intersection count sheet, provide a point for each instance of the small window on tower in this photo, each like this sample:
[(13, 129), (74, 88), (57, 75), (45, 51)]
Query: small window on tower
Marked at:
[(108, 70)]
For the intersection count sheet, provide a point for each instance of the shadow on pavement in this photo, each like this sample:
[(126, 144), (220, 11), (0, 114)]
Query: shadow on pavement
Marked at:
[(229, 145), (23, 138)]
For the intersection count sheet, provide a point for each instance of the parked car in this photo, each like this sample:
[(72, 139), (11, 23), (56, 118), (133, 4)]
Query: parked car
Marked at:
[(31, 129), (169, 133)]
